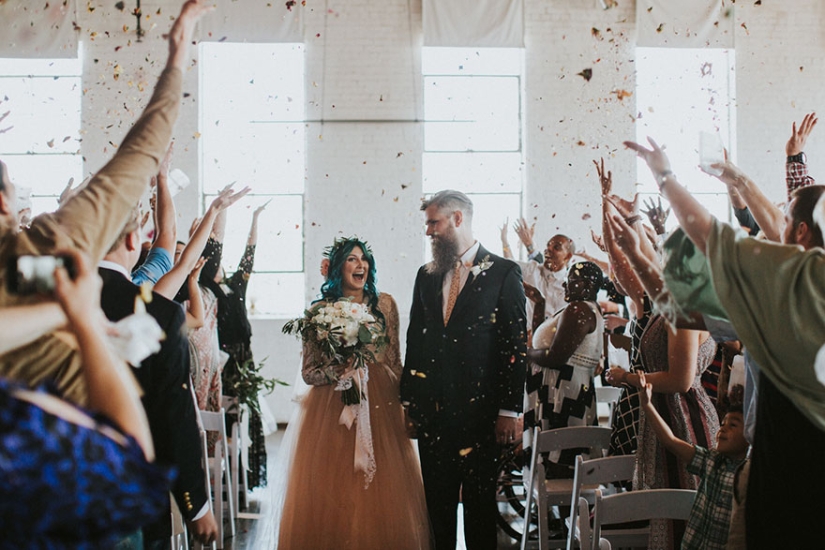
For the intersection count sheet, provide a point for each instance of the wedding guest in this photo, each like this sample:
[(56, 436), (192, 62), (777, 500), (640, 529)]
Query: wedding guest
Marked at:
[(765, 289), (566, 353), (463, 380), (74, 478), (545, 273), (167, 398), (235, 338), (158, 259), (91, 218), (353, 486), (709, 522)]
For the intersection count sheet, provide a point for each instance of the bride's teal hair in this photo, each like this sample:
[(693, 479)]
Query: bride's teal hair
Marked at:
[(337, 254)]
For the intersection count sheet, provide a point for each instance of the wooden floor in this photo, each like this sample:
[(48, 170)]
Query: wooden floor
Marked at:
[(255, 530)]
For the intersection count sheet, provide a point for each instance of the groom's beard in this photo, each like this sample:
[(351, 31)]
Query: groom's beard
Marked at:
[(445, 253)]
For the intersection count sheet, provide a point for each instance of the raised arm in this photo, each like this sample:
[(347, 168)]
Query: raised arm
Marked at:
[(796, 170), (525, 234), (506, 251), (769, 218), (682, 449), (92, 218), (170, 284), (629, 242), (693, 217), (194, 309), (166, 231)]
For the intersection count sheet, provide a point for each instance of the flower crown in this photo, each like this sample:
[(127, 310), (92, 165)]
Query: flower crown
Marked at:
[(340, 242)]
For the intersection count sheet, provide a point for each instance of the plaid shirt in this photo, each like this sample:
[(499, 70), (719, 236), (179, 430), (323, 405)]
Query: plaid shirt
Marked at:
[(796, 176), (709, 522)]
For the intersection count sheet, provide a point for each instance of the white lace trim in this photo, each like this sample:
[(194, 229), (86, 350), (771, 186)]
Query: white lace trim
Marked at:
[(359, 414)]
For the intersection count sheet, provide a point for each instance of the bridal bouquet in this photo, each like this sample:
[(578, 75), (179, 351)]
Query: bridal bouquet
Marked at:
[(343, 330)]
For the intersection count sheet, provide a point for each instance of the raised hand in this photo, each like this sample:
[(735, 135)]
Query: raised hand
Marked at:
[(525, 232), (597, 239), (182, 31), (79, 297), (625, 237), (796, 143), (656, 215), (625, 207), (605, 178), (192, 228), (655, 157), (504, 230), (227, 198), (731, 175), (261, 208)]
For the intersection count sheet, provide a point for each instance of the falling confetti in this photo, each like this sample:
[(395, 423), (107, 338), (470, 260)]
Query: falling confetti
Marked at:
[(660, 28), (50, 143), (707, 68), (120, 6), (585, 217), (290, 4), (746, 29), (586, 74), (622, 94), (465, 452)]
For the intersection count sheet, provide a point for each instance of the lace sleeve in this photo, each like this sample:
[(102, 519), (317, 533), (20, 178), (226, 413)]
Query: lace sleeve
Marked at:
[(316, 369), (393, 354)]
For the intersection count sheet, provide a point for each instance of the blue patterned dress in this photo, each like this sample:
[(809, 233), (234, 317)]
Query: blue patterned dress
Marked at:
[(68, 486)]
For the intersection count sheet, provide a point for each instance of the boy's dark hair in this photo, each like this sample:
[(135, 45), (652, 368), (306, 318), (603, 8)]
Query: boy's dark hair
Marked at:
[(803, 209), (735, 408)]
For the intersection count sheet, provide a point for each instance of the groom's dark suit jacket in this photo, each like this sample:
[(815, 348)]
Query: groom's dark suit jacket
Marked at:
[(167, 399), (456, 378)]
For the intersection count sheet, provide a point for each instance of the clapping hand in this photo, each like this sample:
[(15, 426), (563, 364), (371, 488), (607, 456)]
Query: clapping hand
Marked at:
[(647, 390), (625, 237), (625, 207)]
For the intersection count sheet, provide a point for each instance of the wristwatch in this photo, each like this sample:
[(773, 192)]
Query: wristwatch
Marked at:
[(800, 157)]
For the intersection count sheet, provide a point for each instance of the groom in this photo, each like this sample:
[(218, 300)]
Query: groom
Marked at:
[(463, 380)]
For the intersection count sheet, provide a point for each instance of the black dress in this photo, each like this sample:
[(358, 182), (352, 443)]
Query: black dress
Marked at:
[(235, 336)]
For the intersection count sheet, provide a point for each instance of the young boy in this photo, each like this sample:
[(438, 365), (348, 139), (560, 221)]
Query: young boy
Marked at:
[(709, 521)]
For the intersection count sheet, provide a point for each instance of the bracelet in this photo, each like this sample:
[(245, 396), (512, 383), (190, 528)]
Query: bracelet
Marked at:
[(632, 219), (530, 248), (663, 177)]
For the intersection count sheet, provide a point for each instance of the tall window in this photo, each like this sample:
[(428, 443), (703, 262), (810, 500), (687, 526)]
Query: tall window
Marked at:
[(252, 133), (680, 94), (473, 131), (40, 103)]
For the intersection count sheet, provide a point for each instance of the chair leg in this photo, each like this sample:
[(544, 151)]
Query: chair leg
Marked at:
[(230, 497), (217, 485)]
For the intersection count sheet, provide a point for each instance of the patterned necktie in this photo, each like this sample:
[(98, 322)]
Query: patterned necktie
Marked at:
[(453, 296)]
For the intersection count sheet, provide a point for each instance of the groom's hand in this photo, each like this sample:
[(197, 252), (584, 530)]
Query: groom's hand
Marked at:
[(506, 429)]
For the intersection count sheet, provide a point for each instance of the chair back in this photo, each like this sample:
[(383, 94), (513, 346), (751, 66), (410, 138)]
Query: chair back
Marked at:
[(595, 440), (590, 475), (640, 505), (609, 396)]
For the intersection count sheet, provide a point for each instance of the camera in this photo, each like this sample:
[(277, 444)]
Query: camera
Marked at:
[(35, 274)]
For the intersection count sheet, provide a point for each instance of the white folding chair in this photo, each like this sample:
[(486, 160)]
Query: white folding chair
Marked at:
[(638, 505), (609, 396), (549, 493), (237, 442), (205, 460), (598, 474), (180, 537), (220, 473)]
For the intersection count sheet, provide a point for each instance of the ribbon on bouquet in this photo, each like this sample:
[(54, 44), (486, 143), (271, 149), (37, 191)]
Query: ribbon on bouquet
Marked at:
[(359, 414)]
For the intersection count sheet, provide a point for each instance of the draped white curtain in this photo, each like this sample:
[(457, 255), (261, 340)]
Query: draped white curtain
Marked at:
[(38, 29), (683, 24), (473, 23), (246, 21)]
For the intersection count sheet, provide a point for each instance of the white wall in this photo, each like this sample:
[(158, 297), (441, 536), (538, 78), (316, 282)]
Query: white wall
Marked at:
[(364, 97)]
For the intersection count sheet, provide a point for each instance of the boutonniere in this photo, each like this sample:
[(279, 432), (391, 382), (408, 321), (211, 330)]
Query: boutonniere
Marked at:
[(483, 265)]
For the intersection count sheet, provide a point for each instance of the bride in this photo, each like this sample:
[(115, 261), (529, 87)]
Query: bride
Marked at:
[(343, 490)]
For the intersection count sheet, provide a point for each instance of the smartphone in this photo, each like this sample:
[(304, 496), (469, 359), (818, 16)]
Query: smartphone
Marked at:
[(711, 151), (35, 274)]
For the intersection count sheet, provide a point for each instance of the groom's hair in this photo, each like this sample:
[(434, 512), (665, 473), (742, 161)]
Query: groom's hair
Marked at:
[(452, 200)]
